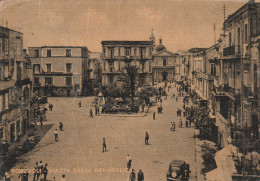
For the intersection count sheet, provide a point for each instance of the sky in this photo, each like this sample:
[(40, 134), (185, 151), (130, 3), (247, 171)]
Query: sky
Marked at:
[(182, 24)]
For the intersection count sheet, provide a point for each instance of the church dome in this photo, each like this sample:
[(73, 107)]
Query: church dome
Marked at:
[(160, 47)]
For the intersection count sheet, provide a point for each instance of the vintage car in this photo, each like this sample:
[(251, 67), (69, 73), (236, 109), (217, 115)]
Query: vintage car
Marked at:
[(176, 170), (153, 101)]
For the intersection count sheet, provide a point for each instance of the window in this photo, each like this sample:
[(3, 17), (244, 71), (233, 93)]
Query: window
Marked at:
[(48, 81), (36, 81), (104, 51), (119, 65), (135, 51), (105, 66), (150, 51), (68, 81), (213, 69), (164, 62), (111, 79), (127, 52), (6, 46), (238, 36), (150, 66), (111, 52), (48, 68), (245, 33), (230, 39), (142, 52), (68, 67), (119, 52), (36, 53), (68, 53), (142, 66), (48, 53), (111, 67), (36, 68)]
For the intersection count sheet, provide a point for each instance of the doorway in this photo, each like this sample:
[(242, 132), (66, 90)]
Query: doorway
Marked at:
[(165, 74)]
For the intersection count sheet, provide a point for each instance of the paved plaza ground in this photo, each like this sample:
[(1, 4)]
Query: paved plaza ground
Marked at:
[(78, 153)]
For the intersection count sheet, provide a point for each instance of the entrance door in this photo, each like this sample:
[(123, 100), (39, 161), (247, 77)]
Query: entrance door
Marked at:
[(12, 133), (165, 74), (24, 125)]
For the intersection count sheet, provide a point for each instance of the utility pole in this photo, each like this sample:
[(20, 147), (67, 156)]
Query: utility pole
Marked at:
[(224, 10), (215, 34)]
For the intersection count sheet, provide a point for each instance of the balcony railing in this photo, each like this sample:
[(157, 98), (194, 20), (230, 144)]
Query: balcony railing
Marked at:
[(232, 50)]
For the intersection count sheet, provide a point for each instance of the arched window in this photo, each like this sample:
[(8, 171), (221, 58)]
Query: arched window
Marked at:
[(164, 62)]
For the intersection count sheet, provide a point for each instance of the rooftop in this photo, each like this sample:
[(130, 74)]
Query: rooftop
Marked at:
[(126, 43), (59, 47)]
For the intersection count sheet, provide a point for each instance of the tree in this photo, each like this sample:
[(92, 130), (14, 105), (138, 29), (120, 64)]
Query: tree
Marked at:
[(130, 77)]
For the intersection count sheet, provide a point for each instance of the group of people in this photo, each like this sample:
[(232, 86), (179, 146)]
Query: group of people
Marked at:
[(159, 109), (39, 170), (50, 107)]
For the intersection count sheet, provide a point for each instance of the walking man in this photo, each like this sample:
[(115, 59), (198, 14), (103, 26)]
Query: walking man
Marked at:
[(132, 175), (146, 138), (56, 135), (153, 115), (104, 145), (129, 162), (91, 113), (35, 170), (45, 172), (140, 176)]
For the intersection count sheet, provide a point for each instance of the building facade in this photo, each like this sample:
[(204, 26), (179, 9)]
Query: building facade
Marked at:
[(118, 54), (163, 64), (59, 70), (15, 86)]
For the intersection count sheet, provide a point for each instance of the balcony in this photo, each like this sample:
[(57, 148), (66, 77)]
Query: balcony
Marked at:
[(23, 82), (53, 74), (7, 84), (231, 51), (248, 93)]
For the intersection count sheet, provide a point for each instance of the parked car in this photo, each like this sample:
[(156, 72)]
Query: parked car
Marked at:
[(177, 170)]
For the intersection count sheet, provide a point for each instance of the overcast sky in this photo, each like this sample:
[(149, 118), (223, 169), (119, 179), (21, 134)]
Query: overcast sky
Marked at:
[(182, 24)]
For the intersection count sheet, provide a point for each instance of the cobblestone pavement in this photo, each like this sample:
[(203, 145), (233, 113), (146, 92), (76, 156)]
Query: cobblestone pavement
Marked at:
[(79, 149)]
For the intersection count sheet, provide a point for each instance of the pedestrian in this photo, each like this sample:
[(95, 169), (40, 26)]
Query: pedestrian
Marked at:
[(146, 138), (180, 123), (63, 178), (98, 109), (104, 145), (140, 176), (186, 123), (190, 122), (95, 110), (45, 172), (128, 162), (38, 172), (60, 126), (41, 121), (176, 99), (26, 175), (91, 113), (40, 167), (51, 107), (153, 115), (132, 175), (79, 103), (158, 109), (7, 176), (56, 135), (161, 108), (35, 170)]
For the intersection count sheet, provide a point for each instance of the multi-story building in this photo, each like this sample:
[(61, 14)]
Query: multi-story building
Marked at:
[(163, 64), (14, 86), (119, 54), (236, 101), (59, 70)]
